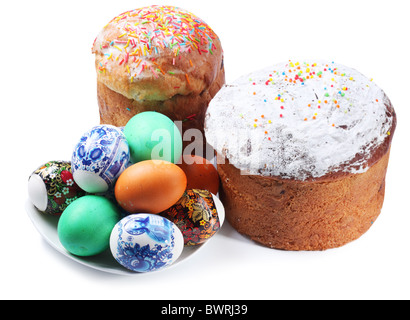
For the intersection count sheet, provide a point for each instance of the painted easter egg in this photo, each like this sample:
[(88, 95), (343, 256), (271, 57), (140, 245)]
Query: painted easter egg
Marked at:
[(146, 242), (85, 227), (153, 136), (99, 158), (198, 214), (150, 186), (51, 187), (200, 173)]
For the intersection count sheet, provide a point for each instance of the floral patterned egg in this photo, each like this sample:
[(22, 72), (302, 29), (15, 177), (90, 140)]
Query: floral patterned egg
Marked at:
[(52, 188), (196, 215), (146, 242), (99, 158)]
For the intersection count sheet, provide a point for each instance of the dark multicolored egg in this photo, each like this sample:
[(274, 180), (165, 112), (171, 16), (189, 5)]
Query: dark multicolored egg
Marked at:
[(196, 215), (51, 187)]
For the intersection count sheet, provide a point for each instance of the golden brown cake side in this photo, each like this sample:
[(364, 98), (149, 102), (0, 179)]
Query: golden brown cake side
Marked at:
[(116, 109), (309, 215)]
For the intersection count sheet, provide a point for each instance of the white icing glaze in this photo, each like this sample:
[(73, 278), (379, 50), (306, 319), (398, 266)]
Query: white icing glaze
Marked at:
[(315, 124)]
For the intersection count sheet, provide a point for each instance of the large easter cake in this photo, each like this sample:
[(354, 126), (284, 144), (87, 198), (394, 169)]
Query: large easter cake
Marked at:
[(303, 151)]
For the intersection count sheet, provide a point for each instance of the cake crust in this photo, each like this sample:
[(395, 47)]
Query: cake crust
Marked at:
[(116, 109), (312, 215)]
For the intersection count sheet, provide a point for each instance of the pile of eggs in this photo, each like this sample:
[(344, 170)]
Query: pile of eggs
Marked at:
[(125, 190)]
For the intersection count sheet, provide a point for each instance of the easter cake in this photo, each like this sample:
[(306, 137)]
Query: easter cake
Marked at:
[(157, 58), (302, 153)]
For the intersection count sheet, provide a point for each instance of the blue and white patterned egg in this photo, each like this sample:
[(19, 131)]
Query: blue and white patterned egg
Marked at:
[(99, 158), (146, 242)]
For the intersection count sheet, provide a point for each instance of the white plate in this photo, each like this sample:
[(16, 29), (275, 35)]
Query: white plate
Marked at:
[(47, 226)]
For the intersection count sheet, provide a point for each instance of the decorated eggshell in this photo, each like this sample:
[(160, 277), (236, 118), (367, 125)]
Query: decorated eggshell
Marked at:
[(146, 242), (84, 228), (200, 173), (51, 187), (153, 136), (150, 186), (196, 215), (99, 158)]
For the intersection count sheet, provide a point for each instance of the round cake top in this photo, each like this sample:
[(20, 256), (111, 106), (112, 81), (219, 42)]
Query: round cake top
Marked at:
[(155, 52), (301, 120)]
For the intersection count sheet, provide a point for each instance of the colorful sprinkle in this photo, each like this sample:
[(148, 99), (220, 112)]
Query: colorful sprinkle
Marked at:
[(148, 31), (334, 93)]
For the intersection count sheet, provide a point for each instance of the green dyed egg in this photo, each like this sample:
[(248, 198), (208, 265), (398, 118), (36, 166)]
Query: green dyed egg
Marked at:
[(85, 226), (153, 136)]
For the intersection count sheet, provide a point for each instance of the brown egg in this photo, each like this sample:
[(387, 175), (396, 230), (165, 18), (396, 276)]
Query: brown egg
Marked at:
[(201, 173), (150, 186)]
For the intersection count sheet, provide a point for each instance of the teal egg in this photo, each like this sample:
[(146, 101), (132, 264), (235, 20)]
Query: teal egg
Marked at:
[(153, 136), (85, 226)]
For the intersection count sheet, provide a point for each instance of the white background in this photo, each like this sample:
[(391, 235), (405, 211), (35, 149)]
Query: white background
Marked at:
[(48, 99)]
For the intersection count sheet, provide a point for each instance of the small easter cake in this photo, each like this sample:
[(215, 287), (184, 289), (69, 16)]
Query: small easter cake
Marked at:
[(303, 149), (157, 58)]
